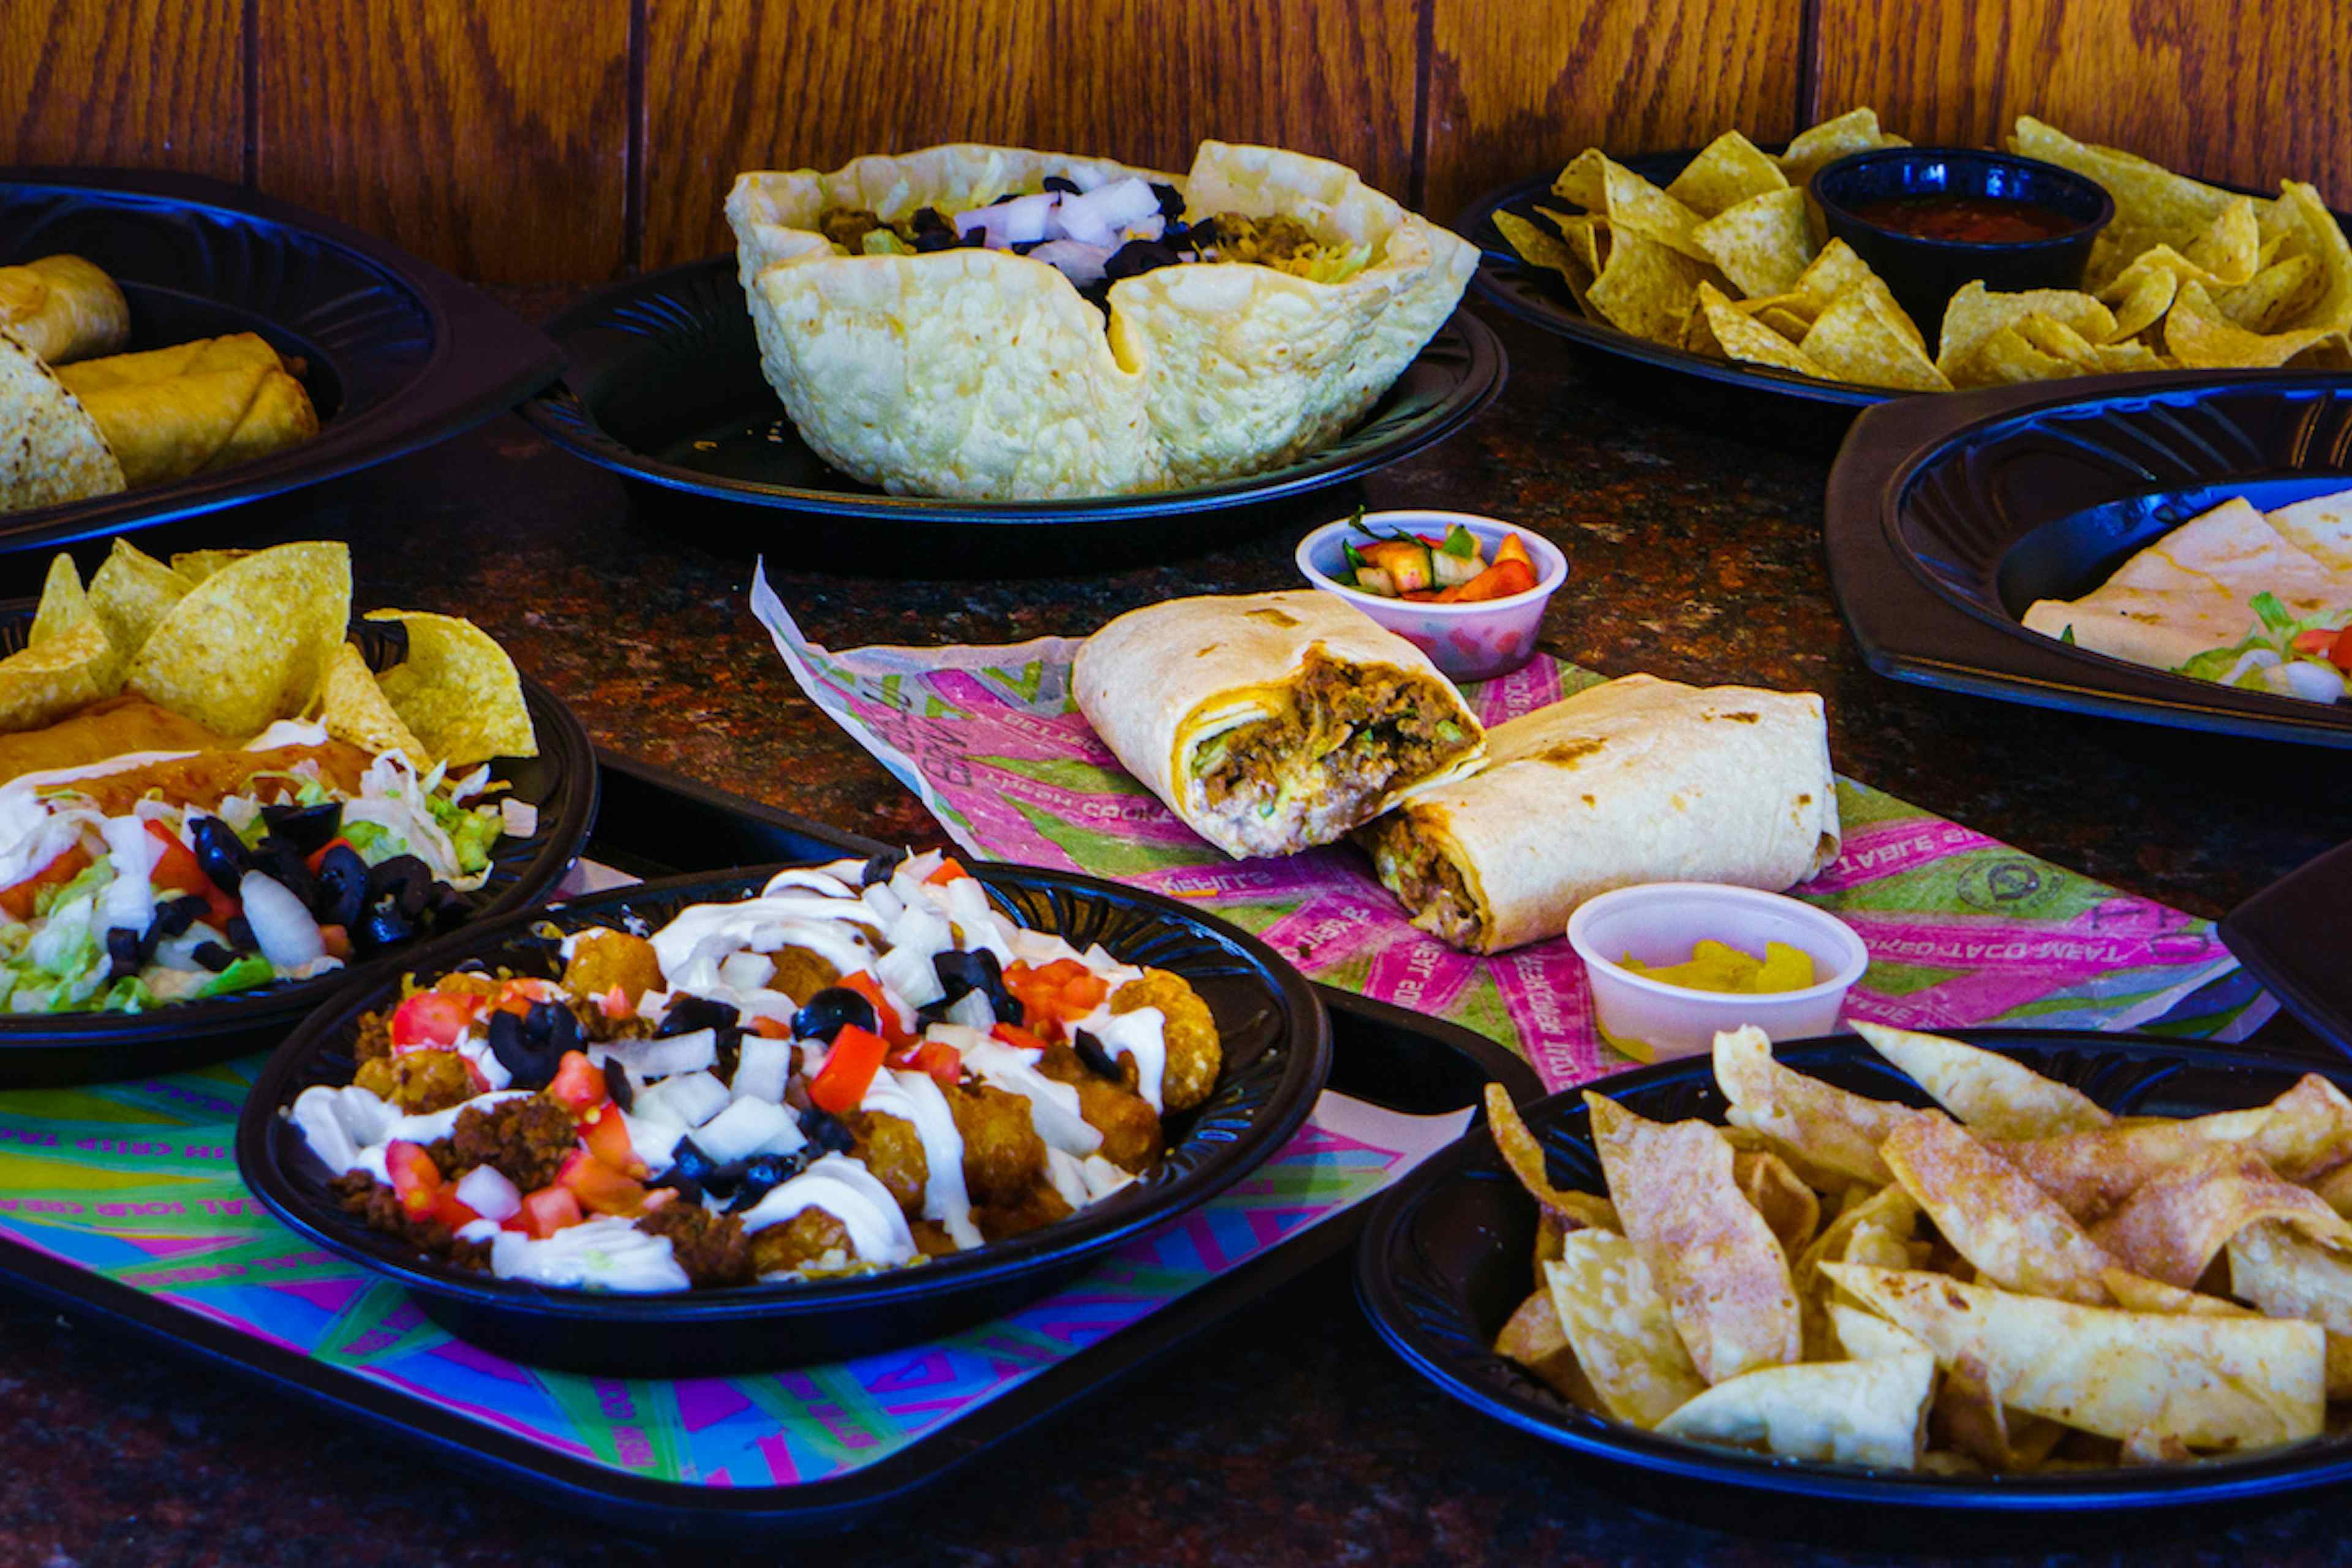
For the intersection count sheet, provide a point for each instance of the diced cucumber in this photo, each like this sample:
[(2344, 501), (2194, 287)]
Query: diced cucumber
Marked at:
[(1460, 540), (1406, 561), (1372, 580), (1453, 568)]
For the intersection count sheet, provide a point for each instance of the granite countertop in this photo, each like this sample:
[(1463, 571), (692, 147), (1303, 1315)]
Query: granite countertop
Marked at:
[(1290, 1435)]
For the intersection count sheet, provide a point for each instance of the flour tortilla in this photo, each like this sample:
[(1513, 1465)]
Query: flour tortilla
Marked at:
[(2192, 590), (1159, 683), (1636, 780), (51, 449)]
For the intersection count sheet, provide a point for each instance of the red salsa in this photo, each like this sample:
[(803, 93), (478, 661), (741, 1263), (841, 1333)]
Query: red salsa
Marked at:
[(1978, 220)]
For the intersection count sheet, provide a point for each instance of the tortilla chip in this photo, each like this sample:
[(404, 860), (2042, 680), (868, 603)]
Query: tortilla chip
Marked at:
[(2173, 1227), (1857, 338), (1763, 245), (2214, 1383), (1975, 313), (2149, 197), (2061, 341), (41, 685), (131, 592), (353, 708), (1780, 319), (1786, 1203), (1728, 171), (51, 449), (1524, 1154), (2013, 1232), (250, 644), (1742, 337), (1836, 1131), (2322, 238), (196, 565), (1536, 248), (65, 609), (2008, 358), (457, 690), (2288, 1277), (1535, 1340), (2231, 247), (2273, 297), (1621, 1329), (1856, 130), (1645, 288), (2197, 334), (1712, 1256), (2141, 300), (2116, 358), (1837, 269), (1632, 204), (1869, 1412), (1994, 1095), (1582, 234)]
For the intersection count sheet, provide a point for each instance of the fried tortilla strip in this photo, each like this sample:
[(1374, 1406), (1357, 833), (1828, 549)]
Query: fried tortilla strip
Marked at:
[(1621, 1329), (1866, 1336), (1786, 1203), (2137, 1293), (1851, 1412), (1720, 1267), (2173, 1227), (2289, 1277), (1968, 1417), (2306, 1130), (1534, 1339), (2214, 1383), (1524, 1156), (1836, 1131), (2014, 1234), (2335, 1188), (1994, 1096)]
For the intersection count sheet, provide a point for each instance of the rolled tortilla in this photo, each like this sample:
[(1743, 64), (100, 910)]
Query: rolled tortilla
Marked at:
[(50, 449), (1635, 779), (171, 426), (64, 308), (229, 353), (1271, 722)]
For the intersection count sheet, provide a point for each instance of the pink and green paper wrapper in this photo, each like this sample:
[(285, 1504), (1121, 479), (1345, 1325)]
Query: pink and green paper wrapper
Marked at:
[(1963, 930)]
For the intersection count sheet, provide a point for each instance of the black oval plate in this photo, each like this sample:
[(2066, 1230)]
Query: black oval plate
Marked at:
[(1445, 1259), (1947, 517), (2293, 936), (1277, 1045), (400, 353), (79, 1047), (664, 386)]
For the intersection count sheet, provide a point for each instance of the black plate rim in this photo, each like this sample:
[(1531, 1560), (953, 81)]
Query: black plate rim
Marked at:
[(1910, 628), (562, 739), (2288, 1469), (558, 413), (484, 360), (1308, 1033), (1505, 281), (2269, 933)]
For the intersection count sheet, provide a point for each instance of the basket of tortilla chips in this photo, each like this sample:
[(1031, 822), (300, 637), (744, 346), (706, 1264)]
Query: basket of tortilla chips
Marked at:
[(996, 324), (1724, 266)]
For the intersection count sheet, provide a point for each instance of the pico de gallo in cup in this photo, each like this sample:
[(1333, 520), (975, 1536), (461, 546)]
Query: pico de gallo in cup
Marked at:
[(1469, 592)]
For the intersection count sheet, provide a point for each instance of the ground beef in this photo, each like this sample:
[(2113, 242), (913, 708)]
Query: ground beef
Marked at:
[(1195, 1056), (808, 1238), (525, 1140), (1426, 881), (380, 1208), (419, 1082), (711, 1247), (800, 974)]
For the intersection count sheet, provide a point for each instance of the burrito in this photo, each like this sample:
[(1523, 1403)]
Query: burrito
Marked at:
[(64, 308), (1637, 780), (51, 449), (193, 407), (1272, 723)]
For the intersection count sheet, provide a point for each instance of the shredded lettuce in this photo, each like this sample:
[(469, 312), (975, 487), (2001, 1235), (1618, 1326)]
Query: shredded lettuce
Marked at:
[(1337, 267), (128, 994), (244, 974), (471, 832), (375, 842)]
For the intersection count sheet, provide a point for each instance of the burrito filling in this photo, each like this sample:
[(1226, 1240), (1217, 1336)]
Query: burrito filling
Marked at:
[(1427, 880), (1352, 735)]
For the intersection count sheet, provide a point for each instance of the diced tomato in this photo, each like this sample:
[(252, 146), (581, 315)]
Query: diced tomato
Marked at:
[(2340, 656), (598, 1186), (771, 1028), (937, 1058), (433, 1019), (1062, 992), (176, 872), (1499, 580), (18, 900), (2318, 640), (414, 1177), (337, 940), (547, 1211), (616, 1004), (474, 1076), (318, 859), (450, 1212), (885, 1010), (518, 997), (578, 1085), (608, 1138), (849, 1068), (950, 871), (1019, 1039)]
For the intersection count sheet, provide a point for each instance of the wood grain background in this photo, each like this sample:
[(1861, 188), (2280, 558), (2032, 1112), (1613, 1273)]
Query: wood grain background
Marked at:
[(555, 141)]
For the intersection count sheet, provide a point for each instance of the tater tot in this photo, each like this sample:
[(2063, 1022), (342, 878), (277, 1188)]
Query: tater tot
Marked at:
[(1195, 1053), (604, 958)]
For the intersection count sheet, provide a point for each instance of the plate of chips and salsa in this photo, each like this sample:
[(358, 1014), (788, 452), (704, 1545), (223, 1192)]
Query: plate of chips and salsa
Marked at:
[(222, 793)]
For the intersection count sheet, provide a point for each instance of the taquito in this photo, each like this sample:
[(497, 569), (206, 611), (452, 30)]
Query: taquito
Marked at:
[(1635, 779), (193, 407), (1271, 722), (64, 308)]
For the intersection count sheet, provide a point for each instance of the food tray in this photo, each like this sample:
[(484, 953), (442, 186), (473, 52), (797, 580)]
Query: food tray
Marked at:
[(2293, 936), (400, 355), (189, 1260)]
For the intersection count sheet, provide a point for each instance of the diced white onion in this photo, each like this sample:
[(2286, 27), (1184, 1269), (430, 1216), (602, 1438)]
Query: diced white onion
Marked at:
[(973, 1012), (282, 927), (485, 1191)]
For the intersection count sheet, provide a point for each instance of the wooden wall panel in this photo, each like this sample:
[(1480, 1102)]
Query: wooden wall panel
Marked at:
[(1516, 88), (151, 84), (2249, 93), (753, 84), (489, 136)]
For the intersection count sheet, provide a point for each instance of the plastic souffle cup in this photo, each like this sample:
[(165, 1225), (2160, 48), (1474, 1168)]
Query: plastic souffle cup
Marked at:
[(1473, 641), (1660, 922)]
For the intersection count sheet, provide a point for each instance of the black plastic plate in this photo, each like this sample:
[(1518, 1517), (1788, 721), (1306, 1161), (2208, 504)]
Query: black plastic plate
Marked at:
[(1947, 517), (664, 386), (400, 355), (80, 1047), (2296, 936), (1445, 1257)]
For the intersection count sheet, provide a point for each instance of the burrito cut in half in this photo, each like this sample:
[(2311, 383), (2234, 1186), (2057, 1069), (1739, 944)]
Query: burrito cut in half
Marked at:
[(1635, 779), (1272, 723)]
